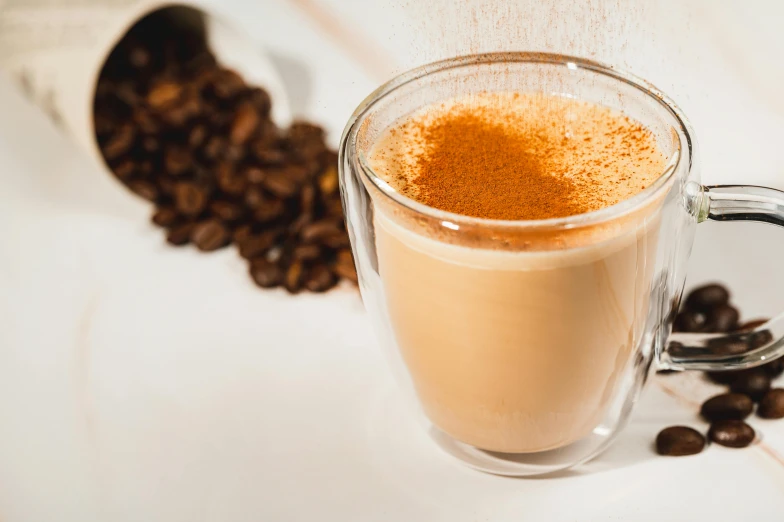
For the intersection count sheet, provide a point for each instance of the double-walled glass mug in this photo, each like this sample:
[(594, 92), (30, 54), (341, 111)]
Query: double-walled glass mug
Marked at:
[(525, 344)]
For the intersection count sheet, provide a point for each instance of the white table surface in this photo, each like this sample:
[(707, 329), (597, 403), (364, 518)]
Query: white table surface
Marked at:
[(145, 383)]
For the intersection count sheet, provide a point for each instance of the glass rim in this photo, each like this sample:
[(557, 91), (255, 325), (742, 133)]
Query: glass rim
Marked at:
[(571, 62)]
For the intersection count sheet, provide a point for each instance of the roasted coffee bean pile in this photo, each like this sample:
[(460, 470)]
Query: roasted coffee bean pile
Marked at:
[(708, 309), (193, 138)]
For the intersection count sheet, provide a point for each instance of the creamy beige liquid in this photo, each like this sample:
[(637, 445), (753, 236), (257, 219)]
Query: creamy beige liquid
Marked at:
[(517, 350)]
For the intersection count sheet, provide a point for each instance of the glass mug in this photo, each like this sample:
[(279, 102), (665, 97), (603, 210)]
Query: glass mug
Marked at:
[(525, 344)]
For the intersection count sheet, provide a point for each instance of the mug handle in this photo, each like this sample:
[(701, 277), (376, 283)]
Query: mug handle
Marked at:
[(741, 350)]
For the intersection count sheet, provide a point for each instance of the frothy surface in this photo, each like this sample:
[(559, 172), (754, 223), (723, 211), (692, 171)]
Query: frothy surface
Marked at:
[(517, 156)]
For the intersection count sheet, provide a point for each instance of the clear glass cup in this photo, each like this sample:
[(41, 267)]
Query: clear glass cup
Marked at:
[(524, 345)]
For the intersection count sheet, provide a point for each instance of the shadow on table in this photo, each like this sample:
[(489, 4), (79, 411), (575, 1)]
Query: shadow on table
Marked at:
[(631, 448)]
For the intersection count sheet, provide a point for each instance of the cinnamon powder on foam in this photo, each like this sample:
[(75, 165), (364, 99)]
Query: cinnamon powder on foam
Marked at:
[(517, 156)]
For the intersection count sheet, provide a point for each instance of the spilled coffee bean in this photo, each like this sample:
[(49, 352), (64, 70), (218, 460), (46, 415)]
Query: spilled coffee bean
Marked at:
[(775, 367), (690, 321), (754, 383), (731, 433), (760, 339), (679, 441), (265, 273), (771, 406), (707, 297), (722, 318), (210, 235), (727, 406), (728, 346), (192, 137)]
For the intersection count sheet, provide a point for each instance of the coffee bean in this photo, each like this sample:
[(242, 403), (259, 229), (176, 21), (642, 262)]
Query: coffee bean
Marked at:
[(184, 110), (302, 221), (731, 433), (256, 245), (145, 189), (254, 175), (344, 266), (104, 126), (707, 297), (120, 143), (148, 124), (246, 120), (266, 274), (337, 241), (319, 230), (328, 180), (164, 217), (329, 159), (728, 346), (215, 148), (760, 339), (292, 280), (306, 252), (261, 100), (124, 170), (163, 94), (167, 184), (269, 157), (227, 84), (722, 377), (255, 198), (300, 173), (210, 235), (771, 406), (229, 181), (722, 318), (690, 321), (219, 120), (124, 91), (307, 198), (189, 198), (149, 144), (676, 349), (241, 233), (144, 168), (754, 383), (177, 160), (269, 210), (180, 234), (139, 57), (679, 441), (334, 208), (320, 279), (307, 139), (197, 136), (279, 184), (727, 406), (775, 367), (226, 211), (235, 153)]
